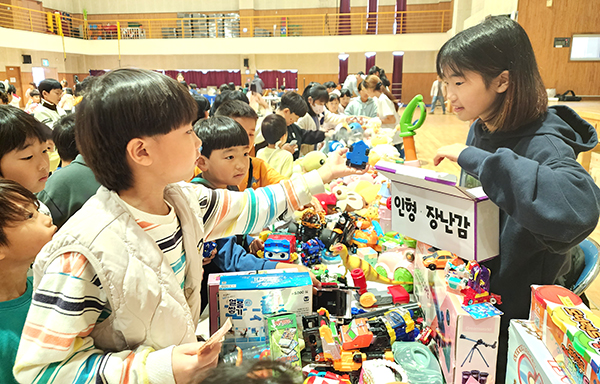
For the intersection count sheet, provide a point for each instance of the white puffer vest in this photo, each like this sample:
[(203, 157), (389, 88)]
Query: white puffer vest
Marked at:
[(148, 305)]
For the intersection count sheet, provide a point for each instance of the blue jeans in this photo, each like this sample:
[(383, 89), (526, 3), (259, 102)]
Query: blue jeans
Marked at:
[(435, 100)]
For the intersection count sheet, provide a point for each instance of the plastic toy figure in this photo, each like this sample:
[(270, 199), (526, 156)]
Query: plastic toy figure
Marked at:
[(311, 224), (208, 248), (358, 155), (311, 252), (277, 250)]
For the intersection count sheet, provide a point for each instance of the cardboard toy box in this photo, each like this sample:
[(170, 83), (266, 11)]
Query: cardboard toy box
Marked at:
[(464, 344), (213, 293), (569, 330), (428, 206), (529, 361), (242, 299)]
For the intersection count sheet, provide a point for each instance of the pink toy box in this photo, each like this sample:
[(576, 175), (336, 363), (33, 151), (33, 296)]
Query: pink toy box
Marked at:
[(464, 344)]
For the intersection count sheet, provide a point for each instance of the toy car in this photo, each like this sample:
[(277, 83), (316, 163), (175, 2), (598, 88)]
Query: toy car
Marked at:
[(358, 155), (437, 259), (472, 297)]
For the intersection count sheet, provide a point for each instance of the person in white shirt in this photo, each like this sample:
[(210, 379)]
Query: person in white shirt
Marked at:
[(274, 130), (387, 107), (352, 82), (438, 93), (345, 96), (48, 112)]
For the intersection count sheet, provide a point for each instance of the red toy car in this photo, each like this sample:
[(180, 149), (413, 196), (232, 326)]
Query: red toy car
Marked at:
[(472, 297)]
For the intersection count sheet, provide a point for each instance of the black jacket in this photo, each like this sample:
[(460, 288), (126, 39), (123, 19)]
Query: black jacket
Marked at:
[(302, 136)]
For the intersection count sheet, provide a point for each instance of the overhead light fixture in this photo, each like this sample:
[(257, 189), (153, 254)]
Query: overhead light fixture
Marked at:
[(343, 56), (370, 54), (398, 53)]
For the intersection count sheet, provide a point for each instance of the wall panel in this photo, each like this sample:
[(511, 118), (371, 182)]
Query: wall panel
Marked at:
[(562, 19)]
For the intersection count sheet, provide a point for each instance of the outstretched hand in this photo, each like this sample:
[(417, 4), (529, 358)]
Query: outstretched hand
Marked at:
[(450, 152), (336, 167)]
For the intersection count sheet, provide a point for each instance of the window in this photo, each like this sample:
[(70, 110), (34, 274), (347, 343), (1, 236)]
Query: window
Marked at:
[(585, 48)]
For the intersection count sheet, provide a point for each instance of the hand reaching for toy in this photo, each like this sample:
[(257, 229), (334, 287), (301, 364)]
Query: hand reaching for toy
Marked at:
[(255, 246), (290, 148), (335, 167), (301, 268), (207, 260), (450, 152)]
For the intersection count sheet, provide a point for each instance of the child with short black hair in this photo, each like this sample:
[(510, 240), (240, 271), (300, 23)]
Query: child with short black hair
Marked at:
[(118, 288), (260, 174), (292, 107), (23, 149), (48, 112), (63, 136), (72, 185), (23, 233), (274, 131)]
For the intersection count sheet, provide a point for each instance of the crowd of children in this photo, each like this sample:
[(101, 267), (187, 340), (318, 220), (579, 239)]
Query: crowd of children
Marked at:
[(148, 178)]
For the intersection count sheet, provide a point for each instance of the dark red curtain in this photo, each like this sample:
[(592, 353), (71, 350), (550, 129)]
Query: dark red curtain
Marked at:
[(397, 75), (97, 72), (343, 68), (205, 79), (370, 62), (372, 6), (344, 18), (275, 79), (400, 17)]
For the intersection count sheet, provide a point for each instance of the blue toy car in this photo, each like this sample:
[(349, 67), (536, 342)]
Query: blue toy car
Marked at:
[(358, 155)]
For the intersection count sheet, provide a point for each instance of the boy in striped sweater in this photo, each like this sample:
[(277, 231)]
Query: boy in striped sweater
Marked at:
[(117, 291)]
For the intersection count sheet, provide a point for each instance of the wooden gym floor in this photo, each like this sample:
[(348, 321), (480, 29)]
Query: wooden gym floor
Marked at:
[(440, 130)]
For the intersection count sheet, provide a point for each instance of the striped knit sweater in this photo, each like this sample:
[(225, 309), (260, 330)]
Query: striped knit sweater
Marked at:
[(70, 301)]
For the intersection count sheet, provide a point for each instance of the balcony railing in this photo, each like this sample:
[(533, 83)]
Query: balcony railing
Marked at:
[(226, 25)]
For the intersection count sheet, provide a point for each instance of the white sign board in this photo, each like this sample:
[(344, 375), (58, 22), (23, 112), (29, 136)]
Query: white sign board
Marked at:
[(428, 207)]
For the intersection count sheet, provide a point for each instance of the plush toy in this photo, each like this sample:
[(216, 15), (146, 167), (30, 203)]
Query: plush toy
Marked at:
[(383, 152), (309, 162), (347, 200), (328, 202)]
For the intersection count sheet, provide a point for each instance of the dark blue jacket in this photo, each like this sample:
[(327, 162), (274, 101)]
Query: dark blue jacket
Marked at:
[(548, 202)]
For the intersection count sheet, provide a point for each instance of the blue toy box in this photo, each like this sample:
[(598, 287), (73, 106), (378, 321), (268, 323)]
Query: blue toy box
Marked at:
[(246, 299)]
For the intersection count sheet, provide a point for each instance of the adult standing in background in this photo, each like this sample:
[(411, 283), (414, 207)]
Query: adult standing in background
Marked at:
[(438, 93)]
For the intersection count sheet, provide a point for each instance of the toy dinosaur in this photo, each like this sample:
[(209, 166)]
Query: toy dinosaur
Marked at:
[(351, 262)]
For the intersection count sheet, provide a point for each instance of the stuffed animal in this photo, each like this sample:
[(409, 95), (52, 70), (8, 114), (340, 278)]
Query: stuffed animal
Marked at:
[(347, 200), (309, 162)]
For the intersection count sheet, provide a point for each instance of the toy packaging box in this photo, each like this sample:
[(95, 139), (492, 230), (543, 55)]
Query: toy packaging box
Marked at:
[(529, 361), (430, 207), (242, 299), (467, 347), (213, 293), (569, 330), (282, 334)]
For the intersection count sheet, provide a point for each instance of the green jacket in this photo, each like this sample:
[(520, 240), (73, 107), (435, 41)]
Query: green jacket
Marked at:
[(68, 189)]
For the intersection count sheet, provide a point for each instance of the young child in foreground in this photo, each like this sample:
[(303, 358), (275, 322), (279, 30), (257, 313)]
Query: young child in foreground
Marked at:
[(23, 233), (274, 130), (117, 291), (523, 154)]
